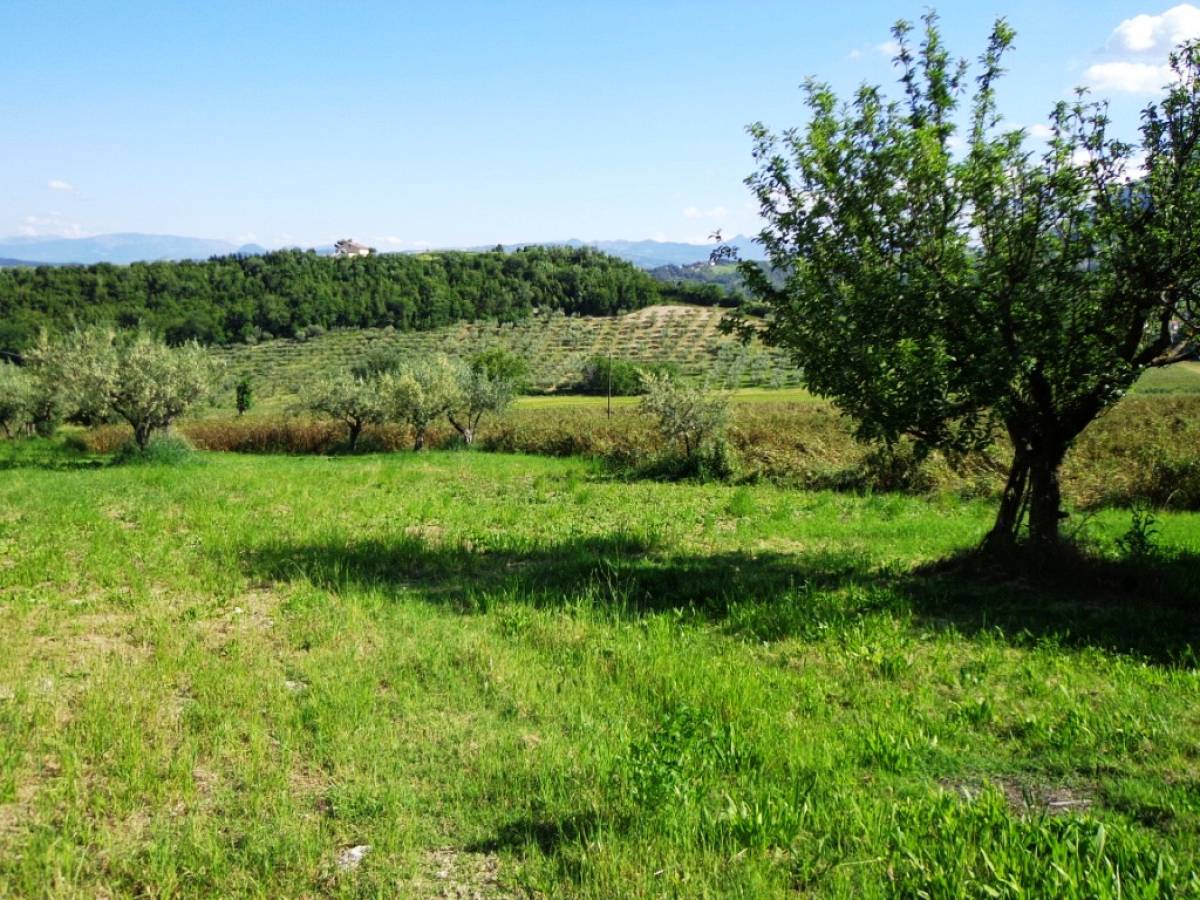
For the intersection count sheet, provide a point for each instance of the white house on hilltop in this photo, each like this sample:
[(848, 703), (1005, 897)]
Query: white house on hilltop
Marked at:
[(349, 248)]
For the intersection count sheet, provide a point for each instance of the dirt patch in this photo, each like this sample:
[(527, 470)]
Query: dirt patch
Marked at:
[(450, 872), (1028, 798), (253, 611)]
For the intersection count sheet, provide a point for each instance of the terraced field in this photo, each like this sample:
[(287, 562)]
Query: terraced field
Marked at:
[(557, 346)]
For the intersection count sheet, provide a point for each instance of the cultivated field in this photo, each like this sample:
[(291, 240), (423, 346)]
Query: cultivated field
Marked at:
[(510, 676), (556, 347)]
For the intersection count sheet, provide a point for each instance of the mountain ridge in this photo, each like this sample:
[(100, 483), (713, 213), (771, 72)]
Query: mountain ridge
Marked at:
[(127, 247)]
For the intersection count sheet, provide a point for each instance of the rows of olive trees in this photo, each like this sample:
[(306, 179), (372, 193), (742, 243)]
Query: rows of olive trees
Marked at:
[(101, 375), (387, 389)]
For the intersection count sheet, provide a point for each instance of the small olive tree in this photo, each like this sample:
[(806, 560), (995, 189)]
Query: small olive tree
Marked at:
[(134, 376), (488, 385), (421, 392), (16, 397), (687, 415), (355, 402)]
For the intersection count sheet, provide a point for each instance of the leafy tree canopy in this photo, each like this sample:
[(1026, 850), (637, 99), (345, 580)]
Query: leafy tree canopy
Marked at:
[(940, 285)]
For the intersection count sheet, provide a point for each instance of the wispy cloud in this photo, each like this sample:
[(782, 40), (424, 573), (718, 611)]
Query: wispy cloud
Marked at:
[(1129, 77), (400, 243), (57, 184), (52, 225), (695, 212)]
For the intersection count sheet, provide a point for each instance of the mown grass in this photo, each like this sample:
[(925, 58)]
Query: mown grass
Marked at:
[(510, 675)]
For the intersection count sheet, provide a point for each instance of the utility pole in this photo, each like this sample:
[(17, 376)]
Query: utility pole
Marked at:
[(610, 381)]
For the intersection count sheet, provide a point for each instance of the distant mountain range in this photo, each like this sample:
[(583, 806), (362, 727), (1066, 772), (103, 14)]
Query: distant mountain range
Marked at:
[(127, 248), (116, 248), (652, 254)]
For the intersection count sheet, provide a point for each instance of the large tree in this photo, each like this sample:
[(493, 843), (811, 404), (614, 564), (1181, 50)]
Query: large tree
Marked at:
[(942, 286)]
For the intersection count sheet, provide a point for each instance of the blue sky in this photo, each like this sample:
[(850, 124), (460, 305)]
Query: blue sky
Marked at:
[(462, 123)]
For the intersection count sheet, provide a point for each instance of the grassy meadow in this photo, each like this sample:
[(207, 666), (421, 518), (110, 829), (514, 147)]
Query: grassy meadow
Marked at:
[(506, 675)]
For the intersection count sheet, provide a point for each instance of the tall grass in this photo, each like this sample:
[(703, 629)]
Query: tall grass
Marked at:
[(1143, 450)]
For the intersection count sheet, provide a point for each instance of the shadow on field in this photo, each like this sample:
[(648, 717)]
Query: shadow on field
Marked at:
[(1151, 609), (625, 572)]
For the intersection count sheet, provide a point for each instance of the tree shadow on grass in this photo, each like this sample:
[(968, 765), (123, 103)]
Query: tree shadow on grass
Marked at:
[(628, 573), (1150, 609)]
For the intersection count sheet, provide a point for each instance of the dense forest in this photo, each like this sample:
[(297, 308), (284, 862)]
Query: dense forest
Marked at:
[(231, 299)]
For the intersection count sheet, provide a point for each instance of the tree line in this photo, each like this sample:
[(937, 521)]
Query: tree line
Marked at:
[(285, 293)]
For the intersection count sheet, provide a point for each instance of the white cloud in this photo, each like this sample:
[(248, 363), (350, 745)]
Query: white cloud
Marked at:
[(888, 48), (57, 184), (1040, 131), (854, 54), (52, 225), (694, 212), (1157, 35), (400, 243), (1129, 77)]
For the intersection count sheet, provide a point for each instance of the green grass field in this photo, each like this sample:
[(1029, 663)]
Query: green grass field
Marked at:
[(511, 676)]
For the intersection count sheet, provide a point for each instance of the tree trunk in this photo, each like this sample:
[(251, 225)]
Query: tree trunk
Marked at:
[(355, 430), (1045, 497), (141, 435), (419, 440), (467, 431), (1003, 535)]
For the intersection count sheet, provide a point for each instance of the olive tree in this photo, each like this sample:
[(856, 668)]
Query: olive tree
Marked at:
[(354, 401), (488, 385), (942, 287), (422, 392), (687, 415), (134, 376), (16, 397)]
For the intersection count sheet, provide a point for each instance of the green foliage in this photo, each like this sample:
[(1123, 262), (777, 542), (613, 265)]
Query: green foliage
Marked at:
[(936, 295), (501, 364), (135, 376), (603, 375), (16, 398), (1139, 543), (488, 385), (164, 448), (243, 395), (424, 391), (687, 415), (378, 361), (352, 400), (296, 294)]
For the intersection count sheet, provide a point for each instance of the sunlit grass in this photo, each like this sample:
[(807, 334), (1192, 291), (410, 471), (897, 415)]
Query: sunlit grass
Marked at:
[(512, 675)]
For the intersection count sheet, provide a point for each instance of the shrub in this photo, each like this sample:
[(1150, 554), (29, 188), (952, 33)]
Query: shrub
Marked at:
[(620, 377), (687, 415), (162, 449), (243, 395)]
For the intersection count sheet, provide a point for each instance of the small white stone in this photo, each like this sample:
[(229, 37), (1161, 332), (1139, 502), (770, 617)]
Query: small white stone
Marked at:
[(351, 857)]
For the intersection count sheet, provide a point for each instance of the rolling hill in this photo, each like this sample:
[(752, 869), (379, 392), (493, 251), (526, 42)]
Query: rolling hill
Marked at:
[(556, 346)]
